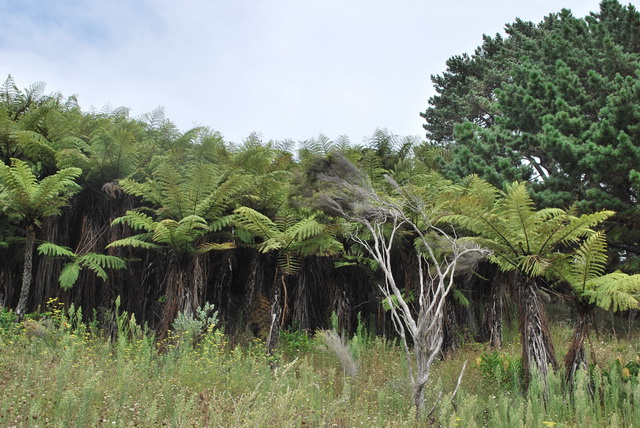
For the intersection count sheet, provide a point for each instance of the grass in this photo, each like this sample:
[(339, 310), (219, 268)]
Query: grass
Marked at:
[(59, 371)]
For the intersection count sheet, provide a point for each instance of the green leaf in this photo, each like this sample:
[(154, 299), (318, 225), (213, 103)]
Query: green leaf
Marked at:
[(69, 275)]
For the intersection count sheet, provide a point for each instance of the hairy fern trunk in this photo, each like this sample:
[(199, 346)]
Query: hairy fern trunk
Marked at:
[(185, 283), (537, 347), (493, 313), (27, 270), (576, 357)]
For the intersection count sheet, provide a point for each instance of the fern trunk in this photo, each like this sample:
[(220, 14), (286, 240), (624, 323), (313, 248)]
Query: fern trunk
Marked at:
[(27, 270), (537, 347), (576, 357), (451, 329), (184, 290), (493, 312)]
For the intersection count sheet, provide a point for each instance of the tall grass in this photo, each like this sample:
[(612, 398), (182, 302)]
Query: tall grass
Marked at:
[(59, 371)]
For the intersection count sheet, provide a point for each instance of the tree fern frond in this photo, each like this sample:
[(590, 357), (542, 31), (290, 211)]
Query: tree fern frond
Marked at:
[(305, 229), (66, 158), (534, 265), (136, 220), (165, 232), (580, 227), (94, 267), (136, 241), (191, 222), (50, 249), (53, 191), (590, 259), (69, 275), (35, 146), (103, 260), (171, 186), (255, 222), (19, 181), (616, 291), (272, 244), (320, 245), (222, 222), (215, 246)]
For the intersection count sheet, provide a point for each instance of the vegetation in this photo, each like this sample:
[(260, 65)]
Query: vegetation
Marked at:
[(334, 283), (58, 370), (553, 104)]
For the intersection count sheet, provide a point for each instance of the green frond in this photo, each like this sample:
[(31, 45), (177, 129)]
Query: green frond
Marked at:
[(460, 298), (53, 191), (393, 301), (482, 193), (353, 260), (66, 158), (284, 221), (320, 245), (50, 249), (136, 220), (215, 246), (272, 244), (69, 275), (534, 265), (255, 222), (190, 223), (590, 259), (221, 223), (165, 232), (244, 236), (616, 291), (35, 146), (19, 182), (305, 229), (136, 241), (143, 190), (102, 260), (580, 227), (24, 195), (171, 186)]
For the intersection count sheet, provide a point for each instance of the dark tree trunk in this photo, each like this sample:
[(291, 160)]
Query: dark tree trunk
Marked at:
[(537, 347), (26, 273), (493, 311), (576, 357), (450, 329), (184, 290)]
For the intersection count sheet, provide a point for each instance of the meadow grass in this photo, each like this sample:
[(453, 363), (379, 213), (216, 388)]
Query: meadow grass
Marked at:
[(58, 372)]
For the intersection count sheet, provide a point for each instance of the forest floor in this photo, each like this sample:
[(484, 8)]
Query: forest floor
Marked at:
[(60, 371)]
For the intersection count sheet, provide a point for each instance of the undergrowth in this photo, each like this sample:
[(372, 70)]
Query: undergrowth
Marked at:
[(57, 370)]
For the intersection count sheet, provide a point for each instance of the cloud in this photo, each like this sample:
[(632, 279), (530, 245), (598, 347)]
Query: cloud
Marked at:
[(286, 68)]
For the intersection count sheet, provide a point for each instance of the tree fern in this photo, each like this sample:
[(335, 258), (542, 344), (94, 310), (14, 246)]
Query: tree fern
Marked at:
[(584, 271), (287, 236), (520, 236), (70, 272)]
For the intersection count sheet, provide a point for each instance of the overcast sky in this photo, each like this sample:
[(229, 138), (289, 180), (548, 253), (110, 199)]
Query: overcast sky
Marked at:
[(282, 68)]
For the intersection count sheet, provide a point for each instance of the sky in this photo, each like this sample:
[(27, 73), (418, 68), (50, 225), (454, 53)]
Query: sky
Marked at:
[(285, 69)]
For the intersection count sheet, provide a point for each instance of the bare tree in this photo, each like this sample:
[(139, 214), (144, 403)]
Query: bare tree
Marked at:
[(384, 215)]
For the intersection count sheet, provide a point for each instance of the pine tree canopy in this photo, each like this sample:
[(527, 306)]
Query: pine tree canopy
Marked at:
[(556, 104)]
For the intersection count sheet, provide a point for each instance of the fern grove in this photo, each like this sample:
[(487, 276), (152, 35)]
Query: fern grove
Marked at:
[(97, 206)]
